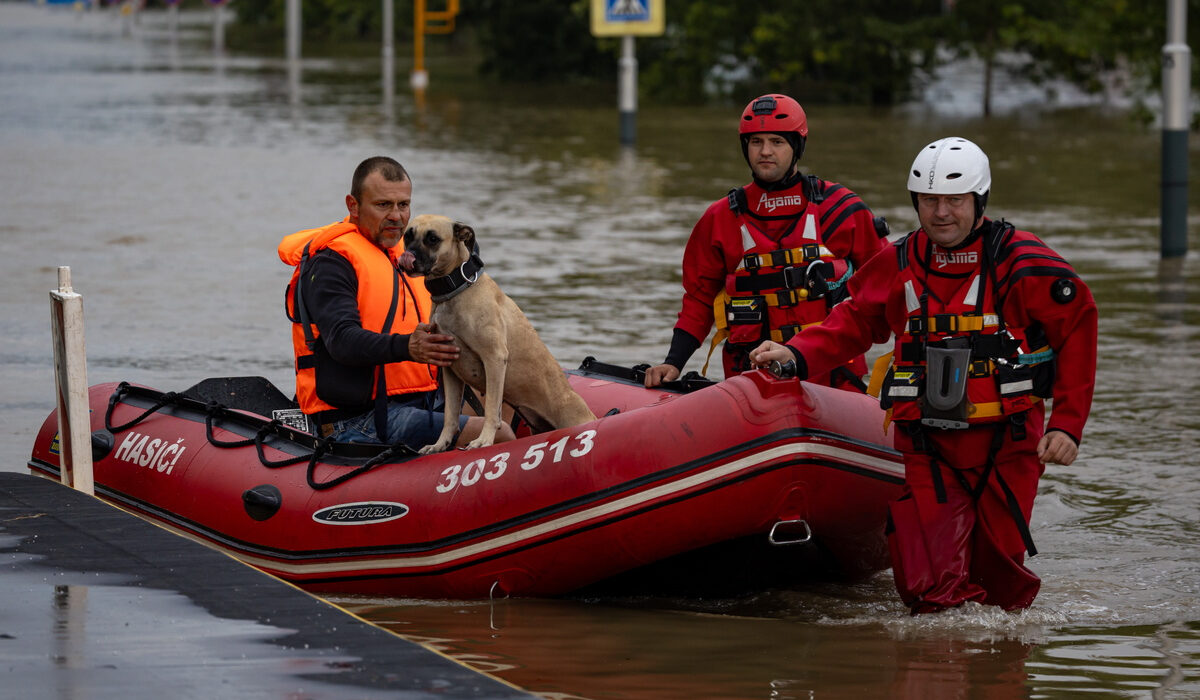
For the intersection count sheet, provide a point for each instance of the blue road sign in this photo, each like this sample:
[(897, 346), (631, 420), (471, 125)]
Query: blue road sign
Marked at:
[(626, 11)]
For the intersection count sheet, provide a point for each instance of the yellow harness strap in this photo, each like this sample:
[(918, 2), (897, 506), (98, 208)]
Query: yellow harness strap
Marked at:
[(777, 335), (722, 324), (957, 322), (791, 256), (879, 372), (990, 410), (721, 321)]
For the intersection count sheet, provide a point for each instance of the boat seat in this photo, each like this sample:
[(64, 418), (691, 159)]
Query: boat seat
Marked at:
[(253, 394)]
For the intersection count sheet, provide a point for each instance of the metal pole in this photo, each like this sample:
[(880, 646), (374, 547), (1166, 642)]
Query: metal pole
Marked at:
[(293, 30), (419, 78), (389, 46), (1177, 64), (71, 387), (219, 28), (627, 91)]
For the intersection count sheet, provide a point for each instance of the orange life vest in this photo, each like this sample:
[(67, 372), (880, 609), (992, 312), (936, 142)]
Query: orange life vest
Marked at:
[(379, 288)]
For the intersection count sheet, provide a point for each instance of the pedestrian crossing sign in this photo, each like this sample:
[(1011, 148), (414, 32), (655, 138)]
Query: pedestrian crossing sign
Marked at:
[(628, 17)]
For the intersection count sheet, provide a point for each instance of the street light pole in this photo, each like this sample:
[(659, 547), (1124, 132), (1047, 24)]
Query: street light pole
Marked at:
[(1177, 64)]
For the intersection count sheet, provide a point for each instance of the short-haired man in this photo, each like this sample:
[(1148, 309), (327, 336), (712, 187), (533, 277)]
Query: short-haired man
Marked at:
[(366, 356), (773, 256), (988, 322)]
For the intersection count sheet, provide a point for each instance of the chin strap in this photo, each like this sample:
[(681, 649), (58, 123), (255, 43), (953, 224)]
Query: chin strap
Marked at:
[(443, 288)]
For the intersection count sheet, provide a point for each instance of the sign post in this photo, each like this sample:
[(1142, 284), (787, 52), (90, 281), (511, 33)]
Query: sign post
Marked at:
[(70, 380), (218, 25), (627, 19), (292, 21), (426, 21), (1177, 117)]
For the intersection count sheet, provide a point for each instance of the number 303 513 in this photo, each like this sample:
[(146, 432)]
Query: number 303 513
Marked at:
[(494, 467)]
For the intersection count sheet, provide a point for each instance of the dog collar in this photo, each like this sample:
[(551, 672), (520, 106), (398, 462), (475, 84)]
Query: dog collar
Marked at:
[(449, 286)]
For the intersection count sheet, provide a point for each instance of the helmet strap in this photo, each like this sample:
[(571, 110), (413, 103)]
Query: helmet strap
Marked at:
[(980, 203), (783, 183)]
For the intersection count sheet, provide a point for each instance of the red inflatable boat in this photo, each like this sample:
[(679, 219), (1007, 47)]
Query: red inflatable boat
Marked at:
[(776, 466)]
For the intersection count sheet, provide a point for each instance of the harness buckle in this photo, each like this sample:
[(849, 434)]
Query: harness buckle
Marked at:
[(786, 332), (811, 251), (795, 277), (944, 323), (751, 262), (786, 298)]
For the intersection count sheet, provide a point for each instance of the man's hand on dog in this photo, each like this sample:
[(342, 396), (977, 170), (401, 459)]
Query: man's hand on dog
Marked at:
[(430, 347)]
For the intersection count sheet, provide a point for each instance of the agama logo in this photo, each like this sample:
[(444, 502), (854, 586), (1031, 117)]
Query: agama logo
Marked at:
[(957, 257), (361, 513), (787, 200)]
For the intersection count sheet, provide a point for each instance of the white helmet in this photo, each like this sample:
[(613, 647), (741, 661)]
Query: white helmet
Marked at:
[(951, 165)]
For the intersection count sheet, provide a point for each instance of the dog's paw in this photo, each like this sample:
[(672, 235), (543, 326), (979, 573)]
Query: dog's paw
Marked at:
[(434, 448), (480, 442)]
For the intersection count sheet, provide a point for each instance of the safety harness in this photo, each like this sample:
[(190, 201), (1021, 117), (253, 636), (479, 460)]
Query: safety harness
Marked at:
[(933, 374), (926, 378), (779, 279)]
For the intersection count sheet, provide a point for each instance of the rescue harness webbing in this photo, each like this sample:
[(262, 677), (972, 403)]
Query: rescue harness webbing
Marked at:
[(922, 442)]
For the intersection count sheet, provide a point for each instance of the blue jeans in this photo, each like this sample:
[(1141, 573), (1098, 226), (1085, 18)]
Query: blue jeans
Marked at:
[(413, 419)]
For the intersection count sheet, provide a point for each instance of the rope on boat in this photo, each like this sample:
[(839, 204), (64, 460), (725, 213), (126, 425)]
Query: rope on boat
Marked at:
[(169, 398), (214, 412)]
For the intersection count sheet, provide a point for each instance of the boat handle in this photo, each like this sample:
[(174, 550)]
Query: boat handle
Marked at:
[(776, 537)]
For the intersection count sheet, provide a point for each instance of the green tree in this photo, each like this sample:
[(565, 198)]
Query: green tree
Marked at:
[(323, 20), (820, 50), (1088, 43), (864, 51), (538, 40)]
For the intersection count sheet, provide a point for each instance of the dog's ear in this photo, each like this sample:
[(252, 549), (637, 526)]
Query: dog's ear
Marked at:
[(465, 233)]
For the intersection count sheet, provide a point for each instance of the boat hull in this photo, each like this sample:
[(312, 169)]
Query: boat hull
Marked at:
[(664, 474)]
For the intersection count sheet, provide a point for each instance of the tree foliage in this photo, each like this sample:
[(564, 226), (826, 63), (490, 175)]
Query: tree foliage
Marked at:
[(538, 40), (335, 20), (1093, 44), (850, 50), (865, 51)]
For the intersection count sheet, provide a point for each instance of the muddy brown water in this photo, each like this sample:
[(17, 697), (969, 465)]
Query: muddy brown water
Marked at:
[(164, 175)]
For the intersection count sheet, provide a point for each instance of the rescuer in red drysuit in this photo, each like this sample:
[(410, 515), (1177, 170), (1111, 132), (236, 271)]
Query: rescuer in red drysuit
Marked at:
[(988, 321), (773, 256)]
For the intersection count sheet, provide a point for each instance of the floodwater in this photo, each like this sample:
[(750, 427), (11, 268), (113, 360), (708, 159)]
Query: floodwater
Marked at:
[(164, 173)]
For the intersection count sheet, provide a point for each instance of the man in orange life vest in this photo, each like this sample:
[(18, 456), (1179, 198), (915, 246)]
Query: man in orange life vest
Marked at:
[(773, 256), (988, 321), (366, 355)]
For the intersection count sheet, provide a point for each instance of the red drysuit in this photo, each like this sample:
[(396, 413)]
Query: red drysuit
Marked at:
[(953, 540), (813, 220)]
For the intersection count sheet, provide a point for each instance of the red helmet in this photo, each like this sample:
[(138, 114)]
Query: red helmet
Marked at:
[(774, 113)]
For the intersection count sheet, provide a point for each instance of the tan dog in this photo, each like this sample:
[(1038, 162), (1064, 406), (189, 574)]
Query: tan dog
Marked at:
[(502, 356)]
